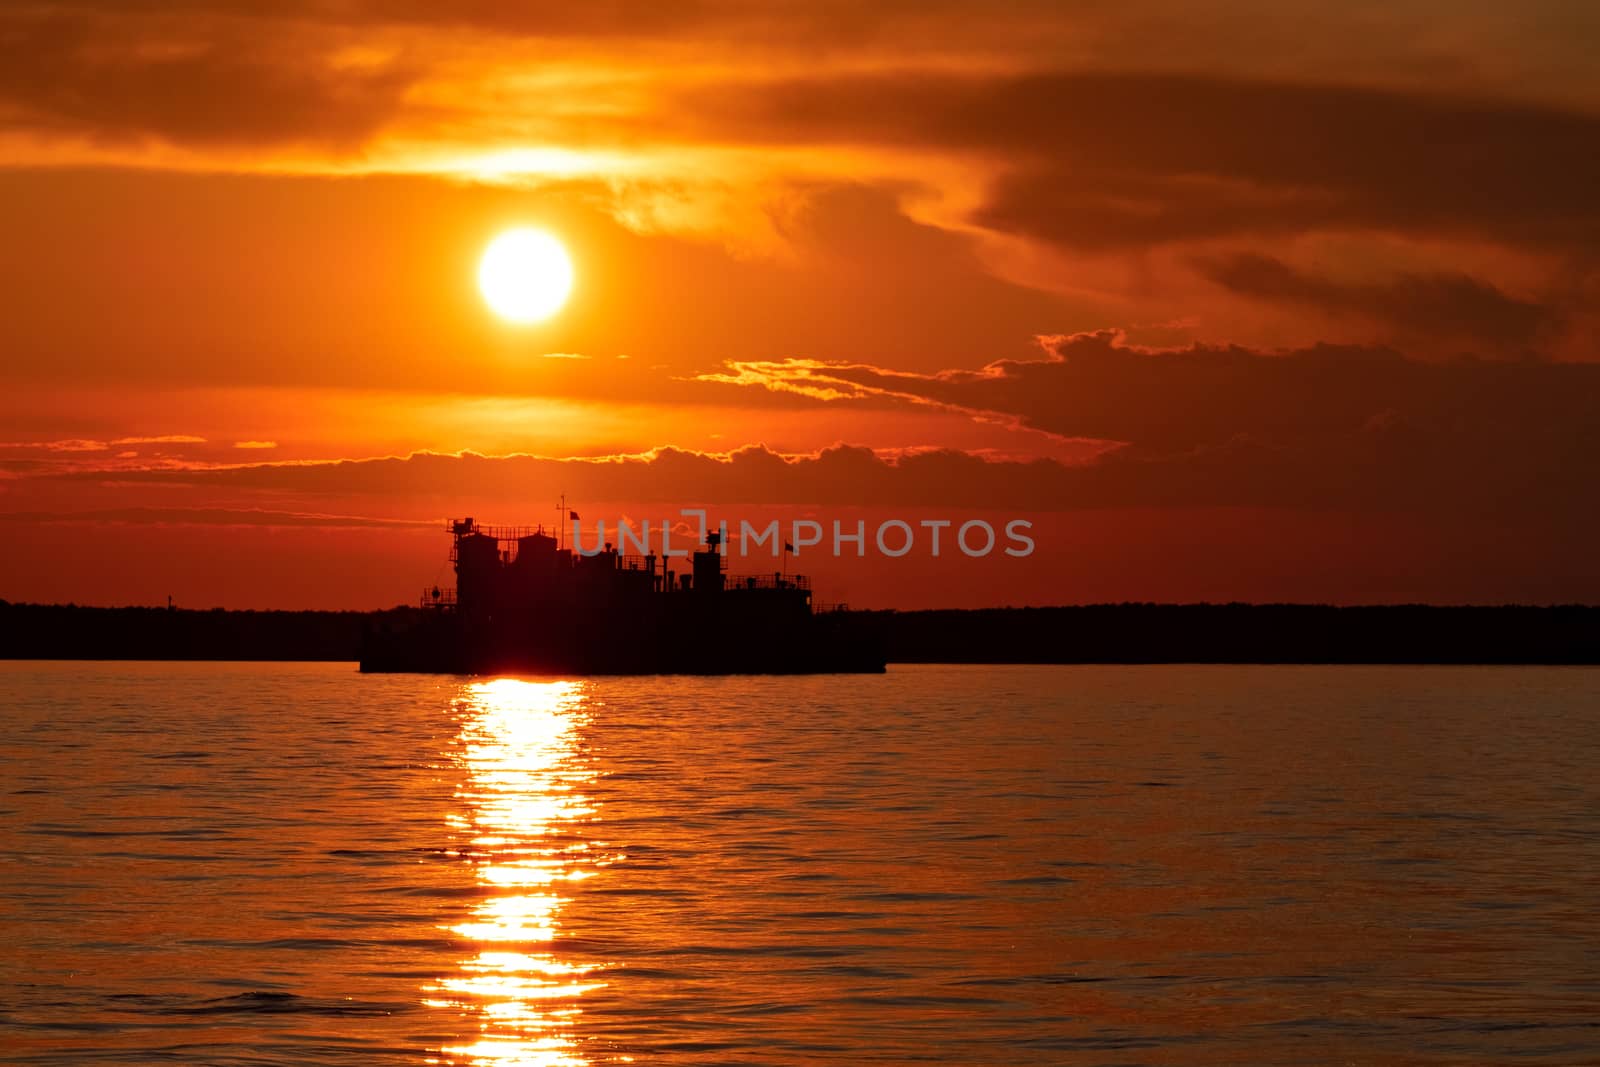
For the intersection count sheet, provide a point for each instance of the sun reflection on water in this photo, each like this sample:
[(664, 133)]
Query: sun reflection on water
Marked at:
[(525, 820)]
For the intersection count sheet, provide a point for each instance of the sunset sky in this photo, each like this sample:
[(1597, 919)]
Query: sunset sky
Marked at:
[(1242, 300)]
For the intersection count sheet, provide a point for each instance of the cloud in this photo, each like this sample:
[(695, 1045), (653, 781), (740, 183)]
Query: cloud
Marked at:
[(1018, 127), (1326, 426), (163, 439), (1078, 153), (669, 478), (74, 444), (1103, 190), (207, 79), (1324, 429), (160, 516), (1458, 306), (1092, 183), (1092, 160)]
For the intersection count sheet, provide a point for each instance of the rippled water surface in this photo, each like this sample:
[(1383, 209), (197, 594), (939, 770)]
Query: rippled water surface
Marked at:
[(279, 864)]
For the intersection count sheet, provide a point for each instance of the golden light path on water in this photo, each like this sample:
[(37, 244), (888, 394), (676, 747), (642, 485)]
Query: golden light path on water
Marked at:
[(525, 822)]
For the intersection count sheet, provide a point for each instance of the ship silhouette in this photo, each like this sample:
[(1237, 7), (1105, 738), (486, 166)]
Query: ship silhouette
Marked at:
[(524, 603)]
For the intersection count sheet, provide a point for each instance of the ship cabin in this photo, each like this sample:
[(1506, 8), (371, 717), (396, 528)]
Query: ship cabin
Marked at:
[(506, 569)]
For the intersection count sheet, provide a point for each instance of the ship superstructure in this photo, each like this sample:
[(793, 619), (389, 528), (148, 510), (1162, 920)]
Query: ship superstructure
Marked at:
[(524, 602)]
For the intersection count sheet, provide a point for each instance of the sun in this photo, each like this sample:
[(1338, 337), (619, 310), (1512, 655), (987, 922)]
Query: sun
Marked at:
[(525, 275)]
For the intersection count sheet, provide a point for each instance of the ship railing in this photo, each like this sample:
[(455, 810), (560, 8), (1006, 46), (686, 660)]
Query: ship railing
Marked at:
[(513, 533), (499, 533), (439, 598), (829, 608), (766, 581), (635, 563)]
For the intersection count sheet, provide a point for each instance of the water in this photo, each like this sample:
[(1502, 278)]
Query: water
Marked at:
[(282, 864)]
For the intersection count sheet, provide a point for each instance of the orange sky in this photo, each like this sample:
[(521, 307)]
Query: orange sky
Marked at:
[(1244, 303)]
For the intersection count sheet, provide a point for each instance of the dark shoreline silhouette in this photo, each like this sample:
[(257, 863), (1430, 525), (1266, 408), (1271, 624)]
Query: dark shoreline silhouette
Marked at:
[(1095, 633)]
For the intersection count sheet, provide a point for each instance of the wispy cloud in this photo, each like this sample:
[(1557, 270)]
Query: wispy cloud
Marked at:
[(163, 439), (202, 516), (67, 445), (80, 444)]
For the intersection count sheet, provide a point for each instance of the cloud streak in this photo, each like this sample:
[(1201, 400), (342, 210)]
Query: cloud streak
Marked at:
[(201, 516)]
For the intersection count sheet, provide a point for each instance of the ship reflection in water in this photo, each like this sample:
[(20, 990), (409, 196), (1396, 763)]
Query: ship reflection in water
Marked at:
[(524, 829)]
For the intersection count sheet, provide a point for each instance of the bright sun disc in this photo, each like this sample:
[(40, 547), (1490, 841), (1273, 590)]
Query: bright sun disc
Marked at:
[(525, 275)]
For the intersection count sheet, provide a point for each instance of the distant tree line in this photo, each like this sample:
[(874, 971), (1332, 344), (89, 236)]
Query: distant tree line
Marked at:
[(52, 631), (1095, 633), (1246, 633)]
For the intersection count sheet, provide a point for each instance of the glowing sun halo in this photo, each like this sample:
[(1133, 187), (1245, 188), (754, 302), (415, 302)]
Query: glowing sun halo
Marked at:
[(525, 275)]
